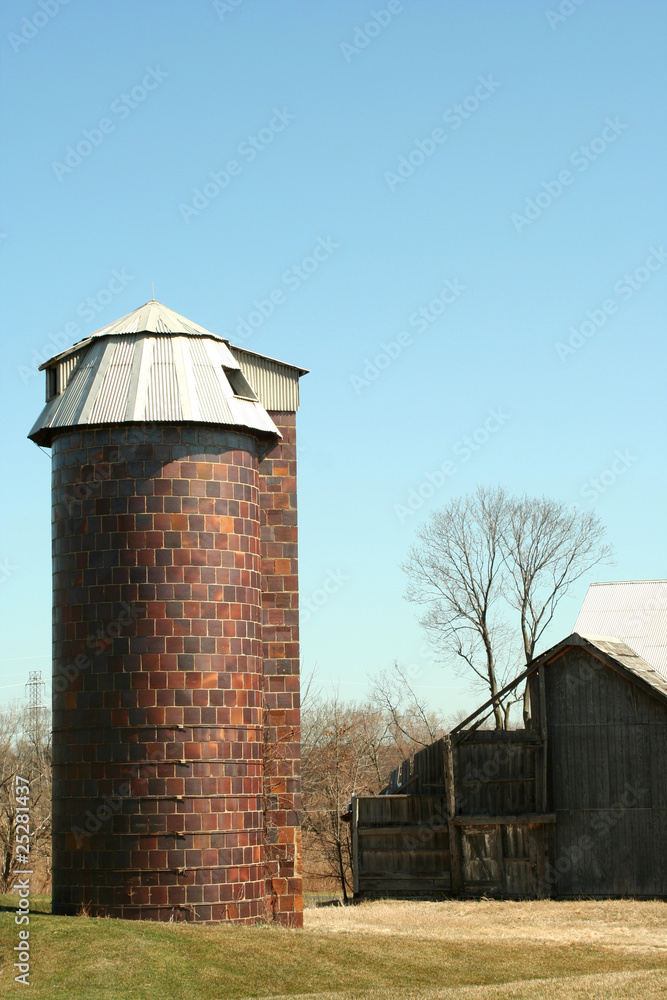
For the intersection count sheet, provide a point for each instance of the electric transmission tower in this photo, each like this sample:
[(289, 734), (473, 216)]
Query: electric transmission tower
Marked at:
[(33, 691)]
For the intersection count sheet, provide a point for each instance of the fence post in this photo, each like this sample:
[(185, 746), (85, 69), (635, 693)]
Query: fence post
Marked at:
[(455, 862)]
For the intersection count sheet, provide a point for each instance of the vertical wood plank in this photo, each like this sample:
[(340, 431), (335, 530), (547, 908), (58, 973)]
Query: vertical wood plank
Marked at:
[(454, 838), (355, 845), (543, 730)]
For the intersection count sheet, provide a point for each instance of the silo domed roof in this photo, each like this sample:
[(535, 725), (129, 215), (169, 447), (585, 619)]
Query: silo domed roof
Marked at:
[(154, 366)]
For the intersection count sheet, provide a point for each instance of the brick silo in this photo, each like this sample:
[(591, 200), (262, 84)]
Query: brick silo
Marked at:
[(175, 625)]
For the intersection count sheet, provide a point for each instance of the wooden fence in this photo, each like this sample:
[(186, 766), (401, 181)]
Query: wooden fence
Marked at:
[(465, 817), (400, 846)]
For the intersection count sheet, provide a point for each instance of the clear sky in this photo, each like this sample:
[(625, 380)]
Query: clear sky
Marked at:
[(485, 182)]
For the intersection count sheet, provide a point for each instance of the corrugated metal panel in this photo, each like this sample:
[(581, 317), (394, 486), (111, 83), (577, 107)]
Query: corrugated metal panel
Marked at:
[(161, 326), (154, 317), (226, 356), (103, 364), (81, 382), (162, 396), (109, 407), (136, 408), (248, 414), (624, 594), (182, 377), (213, 406), (129, 324), (634, 611), (276, 384), (65, 369), (161, 378), (189, 376), (38, 431)]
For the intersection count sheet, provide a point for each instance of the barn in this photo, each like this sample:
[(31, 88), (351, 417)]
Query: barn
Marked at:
[(574, 804)]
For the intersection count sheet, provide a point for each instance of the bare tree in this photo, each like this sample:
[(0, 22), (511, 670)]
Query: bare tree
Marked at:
[(548, 547), (457, 573), (350, 748), (332, 765), (409, 723), (25, 752), (486, 552)]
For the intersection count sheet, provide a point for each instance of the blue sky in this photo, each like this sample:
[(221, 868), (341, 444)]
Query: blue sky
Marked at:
[(488, 180)]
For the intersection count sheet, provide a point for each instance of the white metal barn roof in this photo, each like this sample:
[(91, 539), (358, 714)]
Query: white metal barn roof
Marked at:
[(634, 611), (154, 365)]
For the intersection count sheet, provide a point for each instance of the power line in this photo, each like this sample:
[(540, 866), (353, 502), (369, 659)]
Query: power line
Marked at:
[(14, 659)]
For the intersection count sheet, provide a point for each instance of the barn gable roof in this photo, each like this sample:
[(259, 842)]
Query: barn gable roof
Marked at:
[(608, 648), (629, 663)]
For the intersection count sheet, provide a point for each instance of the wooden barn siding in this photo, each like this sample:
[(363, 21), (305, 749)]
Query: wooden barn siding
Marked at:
[(497, 774), (506, 860), (608, 781), (400, 846), (401, 843), (422, 774)]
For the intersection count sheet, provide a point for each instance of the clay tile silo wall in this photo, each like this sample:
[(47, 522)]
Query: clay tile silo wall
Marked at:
[(158, 676), (280, 605)]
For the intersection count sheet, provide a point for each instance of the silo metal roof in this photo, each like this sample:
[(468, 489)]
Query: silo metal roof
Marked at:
[(152, 317), (153, 365), (634, 611)]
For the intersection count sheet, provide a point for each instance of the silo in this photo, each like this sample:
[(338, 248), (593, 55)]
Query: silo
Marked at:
[(175, 625)]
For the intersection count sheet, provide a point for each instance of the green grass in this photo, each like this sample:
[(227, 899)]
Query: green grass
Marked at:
[(79, 958)]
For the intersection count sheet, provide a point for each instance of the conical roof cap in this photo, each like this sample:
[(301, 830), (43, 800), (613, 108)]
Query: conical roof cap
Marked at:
[(154, 317)]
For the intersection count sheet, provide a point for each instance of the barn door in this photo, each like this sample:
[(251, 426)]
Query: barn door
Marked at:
[(506, 859), (482, 860)]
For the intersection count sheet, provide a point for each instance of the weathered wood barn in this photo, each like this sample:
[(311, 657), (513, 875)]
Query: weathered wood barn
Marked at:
[(574, 804)]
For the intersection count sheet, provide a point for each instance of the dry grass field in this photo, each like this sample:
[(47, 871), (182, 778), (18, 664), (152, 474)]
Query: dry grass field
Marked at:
[(616, 930), (613, 950)]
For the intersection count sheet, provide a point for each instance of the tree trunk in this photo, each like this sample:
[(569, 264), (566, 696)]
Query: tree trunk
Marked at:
[(341, 869), (493, 686), (526, 705), (497, 707)]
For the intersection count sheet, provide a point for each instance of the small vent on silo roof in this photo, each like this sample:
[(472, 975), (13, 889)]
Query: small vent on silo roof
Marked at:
[(239, 383)]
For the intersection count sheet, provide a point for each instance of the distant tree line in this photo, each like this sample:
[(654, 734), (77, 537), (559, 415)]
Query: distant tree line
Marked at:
[(25, 752)]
